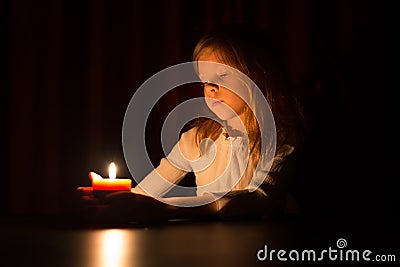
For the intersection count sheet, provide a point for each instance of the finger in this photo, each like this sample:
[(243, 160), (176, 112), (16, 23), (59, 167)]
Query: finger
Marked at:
[(120, 197), (85, 190), (90, 199)]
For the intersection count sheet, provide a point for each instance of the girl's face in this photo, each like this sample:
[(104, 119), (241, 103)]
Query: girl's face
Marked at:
[(222, 87)]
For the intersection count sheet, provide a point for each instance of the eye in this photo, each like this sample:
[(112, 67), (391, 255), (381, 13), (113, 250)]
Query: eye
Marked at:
[(223, 73)]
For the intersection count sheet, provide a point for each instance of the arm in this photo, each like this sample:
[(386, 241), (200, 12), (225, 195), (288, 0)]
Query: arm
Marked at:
[(159, 181), (127, 207), (171, 169), (269, 199), (135, 208), (266, 201)]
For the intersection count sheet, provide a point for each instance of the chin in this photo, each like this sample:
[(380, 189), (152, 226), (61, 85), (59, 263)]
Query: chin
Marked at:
[(224, 114), (223, 111)]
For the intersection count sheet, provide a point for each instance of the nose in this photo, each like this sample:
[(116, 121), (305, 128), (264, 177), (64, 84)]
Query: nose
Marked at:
[(210, 88)]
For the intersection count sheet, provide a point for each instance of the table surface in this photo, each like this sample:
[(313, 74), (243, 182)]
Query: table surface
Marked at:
[(48, 242)]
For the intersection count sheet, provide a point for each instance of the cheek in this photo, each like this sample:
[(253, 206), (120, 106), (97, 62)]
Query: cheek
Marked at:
[(239, 106), (236, 86), (235, 101)]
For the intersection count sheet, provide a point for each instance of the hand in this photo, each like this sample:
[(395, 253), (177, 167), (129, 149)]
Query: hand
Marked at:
[(135, 208), (85, 194), (86, 197), (120, 207)]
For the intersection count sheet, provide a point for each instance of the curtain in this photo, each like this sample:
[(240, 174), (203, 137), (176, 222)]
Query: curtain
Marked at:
[(72, 67)]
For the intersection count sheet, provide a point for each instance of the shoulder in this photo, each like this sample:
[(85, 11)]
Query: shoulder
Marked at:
[(188, 137), (191, 133), (188, 143)]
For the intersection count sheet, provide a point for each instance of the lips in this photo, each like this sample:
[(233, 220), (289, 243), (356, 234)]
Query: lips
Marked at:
[(216, 102)]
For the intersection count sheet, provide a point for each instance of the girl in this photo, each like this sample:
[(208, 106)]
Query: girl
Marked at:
[(246, 171)]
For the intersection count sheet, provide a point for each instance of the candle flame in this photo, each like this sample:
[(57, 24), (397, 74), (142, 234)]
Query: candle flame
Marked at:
[(112, 171)]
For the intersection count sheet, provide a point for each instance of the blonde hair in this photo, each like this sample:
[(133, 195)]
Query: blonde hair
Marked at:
[(209, 128), (251, 52)]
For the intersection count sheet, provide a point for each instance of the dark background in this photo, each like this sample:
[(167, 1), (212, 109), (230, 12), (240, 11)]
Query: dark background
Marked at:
[(70, 68)]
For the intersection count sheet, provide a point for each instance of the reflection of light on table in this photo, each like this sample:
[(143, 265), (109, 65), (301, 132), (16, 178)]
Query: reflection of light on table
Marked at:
[(112, 248)]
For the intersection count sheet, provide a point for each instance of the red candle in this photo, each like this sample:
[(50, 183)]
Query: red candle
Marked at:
[(111, 184)]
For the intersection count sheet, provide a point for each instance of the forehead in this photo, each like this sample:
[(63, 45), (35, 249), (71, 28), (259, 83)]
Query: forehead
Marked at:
[(210, 65), (208, 55)]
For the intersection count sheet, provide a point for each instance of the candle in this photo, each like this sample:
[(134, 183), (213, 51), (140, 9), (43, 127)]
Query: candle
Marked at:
[(111, 184)]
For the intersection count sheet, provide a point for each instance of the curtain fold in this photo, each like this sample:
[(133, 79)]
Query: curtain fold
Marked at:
[(74, 67)]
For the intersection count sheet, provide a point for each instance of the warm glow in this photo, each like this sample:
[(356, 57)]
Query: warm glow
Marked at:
[(114, 248), (112, 171)]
